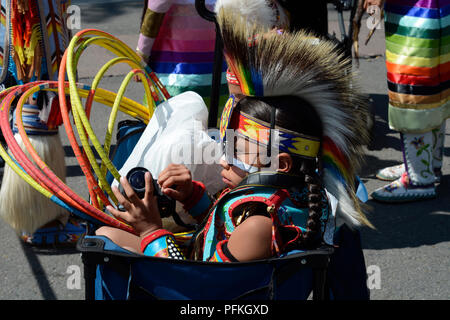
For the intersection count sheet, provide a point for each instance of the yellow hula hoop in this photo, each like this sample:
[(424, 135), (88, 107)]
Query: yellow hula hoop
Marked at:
[(103, 152), (131, 62), (112, 119), (21, 173), (82, 122), (83, 92), (25, 95), (45, 181), (48, 183), (118, 99), (19, 108)]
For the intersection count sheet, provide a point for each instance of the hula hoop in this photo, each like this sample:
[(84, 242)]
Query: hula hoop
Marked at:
[(81, 120), (47, 179), (35, 171)]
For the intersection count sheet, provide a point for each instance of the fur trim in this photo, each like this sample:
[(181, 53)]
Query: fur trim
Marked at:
[(21, 206), (255, 12), (299, 64), (346, 211)]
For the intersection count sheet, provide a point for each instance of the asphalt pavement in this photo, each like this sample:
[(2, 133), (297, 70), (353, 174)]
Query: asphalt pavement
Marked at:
[(407, 255)]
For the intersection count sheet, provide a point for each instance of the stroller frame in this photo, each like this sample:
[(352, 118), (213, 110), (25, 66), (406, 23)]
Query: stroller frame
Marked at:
[(94, 255)]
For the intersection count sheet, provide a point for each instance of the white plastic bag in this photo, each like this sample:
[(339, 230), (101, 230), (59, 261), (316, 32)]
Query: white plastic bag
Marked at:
[(178, 133)]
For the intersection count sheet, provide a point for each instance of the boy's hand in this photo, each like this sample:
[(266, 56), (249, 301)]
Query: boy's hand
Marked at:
[(176, 182), (142, 214)]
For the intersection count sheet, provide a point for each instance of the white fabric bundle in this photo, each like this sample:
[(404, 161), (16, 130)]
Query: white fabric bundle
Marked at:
[(178, 133)]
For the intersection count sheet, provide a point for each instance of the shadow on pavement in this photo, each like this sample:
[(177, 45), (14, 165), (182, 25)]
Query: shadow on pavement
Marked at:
[(409, 224), (75, 170), (99, 12), (38, 272), (381, 134), (372, 164)]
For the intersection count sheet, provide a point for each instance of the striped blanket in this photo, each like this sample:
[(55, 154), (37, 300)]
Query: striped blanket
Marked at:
[(418, 63), (179, 46)]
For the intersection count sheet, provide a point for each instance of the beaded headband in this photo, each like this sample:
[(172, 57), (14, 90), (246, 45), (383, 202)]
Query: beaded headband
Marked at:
[(258, 131)]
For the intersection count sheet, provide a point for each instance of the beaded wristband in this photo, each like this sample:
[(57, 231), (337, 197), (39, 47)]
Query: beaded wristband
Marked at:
[(222, 254), (199, 201), (161, 243), (153, 236)]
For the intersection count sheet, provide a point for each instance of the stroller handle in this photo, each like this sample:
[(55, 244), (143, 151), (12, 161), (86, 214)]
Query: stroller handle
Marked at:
[(204, 12), (208, 15)]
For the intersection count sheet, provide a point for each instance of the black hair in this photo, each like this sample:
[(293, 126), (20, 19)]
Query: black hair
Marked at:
[(295, 114)]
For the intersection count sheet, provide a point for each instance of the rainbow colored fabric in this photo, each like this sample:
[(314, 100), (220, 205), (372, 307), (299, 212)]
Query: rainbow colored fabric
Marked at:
[(250, 81), (180, 46), (38, 38), (2, 33), (418, 63)]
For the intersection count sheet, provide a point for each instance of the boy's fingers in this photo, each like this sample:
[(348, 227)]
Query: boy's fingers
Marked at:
[(125, 204), (132, 196), (181, 179), (124, 216), (120, 197), (116, 192), (168, 168), (148, 186), (170, 173), (174, 194), (172, 169), (170, 182)]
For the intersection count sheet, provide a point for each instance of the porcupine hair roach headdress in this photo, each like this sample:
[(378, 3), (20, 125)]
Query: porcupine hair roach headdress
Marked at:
[(267, 13), (296, 64)]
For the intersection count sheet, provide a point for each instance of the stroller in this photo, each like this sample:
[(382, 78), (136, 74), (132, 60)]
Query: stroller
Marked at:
[(114, 273)]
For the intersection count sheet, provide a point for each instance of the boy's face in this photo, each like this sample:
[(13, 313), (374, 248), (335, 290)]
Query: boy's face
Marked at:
[(231, 175), (244, 152)]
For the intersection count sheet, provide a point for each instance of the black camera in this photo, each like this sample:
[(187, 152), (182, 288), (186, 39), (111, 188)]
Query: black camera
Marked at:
[(136, 178)]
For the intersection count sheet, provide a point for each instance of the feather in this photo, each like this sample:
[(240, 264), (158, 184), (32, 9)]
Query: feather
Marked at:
[(299, 64), (260, 12), (56, 33)]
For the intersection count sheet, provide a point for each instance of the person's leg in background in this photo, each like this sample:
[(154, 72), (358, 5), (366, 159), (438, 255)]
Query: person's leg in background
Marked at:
[(394, 172), (418, 94)]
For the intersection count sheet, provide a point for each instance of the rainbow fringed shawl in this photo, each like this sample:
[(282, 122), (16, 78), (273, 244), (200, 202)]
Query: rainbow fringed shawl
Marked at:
[(418, 63), (37, 38)]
